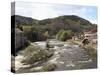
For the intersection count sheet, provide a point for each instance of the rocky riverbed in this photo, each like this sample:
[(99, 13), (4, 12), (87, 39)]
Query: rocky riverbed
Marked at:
[(66, 57)]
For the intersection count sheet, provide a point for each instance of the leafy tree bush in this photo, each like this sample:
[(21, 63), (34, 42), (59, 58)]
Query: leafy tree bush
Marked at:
[(63, 35), (46, 34), (59, 34), (33, 34)]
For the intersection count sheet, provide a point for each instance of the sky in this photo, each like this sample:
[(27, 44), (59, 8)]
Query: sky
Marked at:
[(42, 11)]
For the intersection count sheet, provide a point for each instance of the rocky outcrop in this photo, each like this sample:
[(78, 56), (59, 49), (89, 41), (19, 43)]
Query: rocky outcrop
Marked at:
[(20, 40)]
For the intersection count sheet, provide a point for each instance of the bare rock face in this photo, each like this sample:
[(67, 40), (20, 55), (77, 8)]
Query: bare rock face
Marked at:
[(20, 40)]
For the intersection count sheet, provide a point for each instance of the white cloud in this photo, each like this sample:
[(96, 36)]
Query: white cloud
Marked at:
[(43, 11)]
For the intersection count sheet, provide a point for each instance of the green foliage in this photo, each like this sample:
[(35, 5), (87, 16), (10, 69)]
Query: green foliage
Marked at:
[(33, 34), (63, 35), (53, 25), (33, 54), (59, 33), (46, 34), (36, 30)]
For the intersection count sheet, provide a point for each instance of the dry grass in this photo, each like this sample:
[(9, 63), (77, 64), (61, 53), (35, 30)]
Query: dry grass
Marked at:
[(90, 48), (49, 67), (33, 54), (92, 52)]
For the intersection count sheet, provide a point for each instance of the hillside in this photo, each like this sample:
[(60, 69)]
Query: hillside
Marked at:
[(42, 29), (22, 20), (72, 22)]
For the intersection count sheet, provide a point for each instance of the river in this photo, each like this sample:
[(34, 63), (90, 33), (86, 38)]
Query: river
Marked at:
[(66, 57)]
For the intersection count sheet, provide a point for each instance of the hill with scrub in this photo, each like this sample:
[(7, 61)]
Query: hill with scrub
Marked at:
[(48, 28)]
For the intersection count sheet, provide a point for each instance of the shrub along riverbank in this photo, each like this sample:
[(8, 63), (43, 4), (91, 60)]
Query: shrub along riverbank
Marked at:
[(91, 51)]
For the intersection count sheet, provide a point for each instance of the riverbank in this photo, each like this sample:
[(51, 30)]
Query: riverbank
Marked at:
[(65, 56)]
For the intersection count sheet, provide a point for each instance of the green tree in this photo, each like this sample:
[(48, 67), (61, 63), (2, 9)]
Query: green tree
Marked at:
[(64, 35), (46, 34), (59, 34)]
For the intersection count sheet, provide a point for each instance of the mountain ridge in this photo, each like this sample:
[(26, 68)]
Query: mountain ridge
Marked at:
[(73, 17), (70, 22)]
